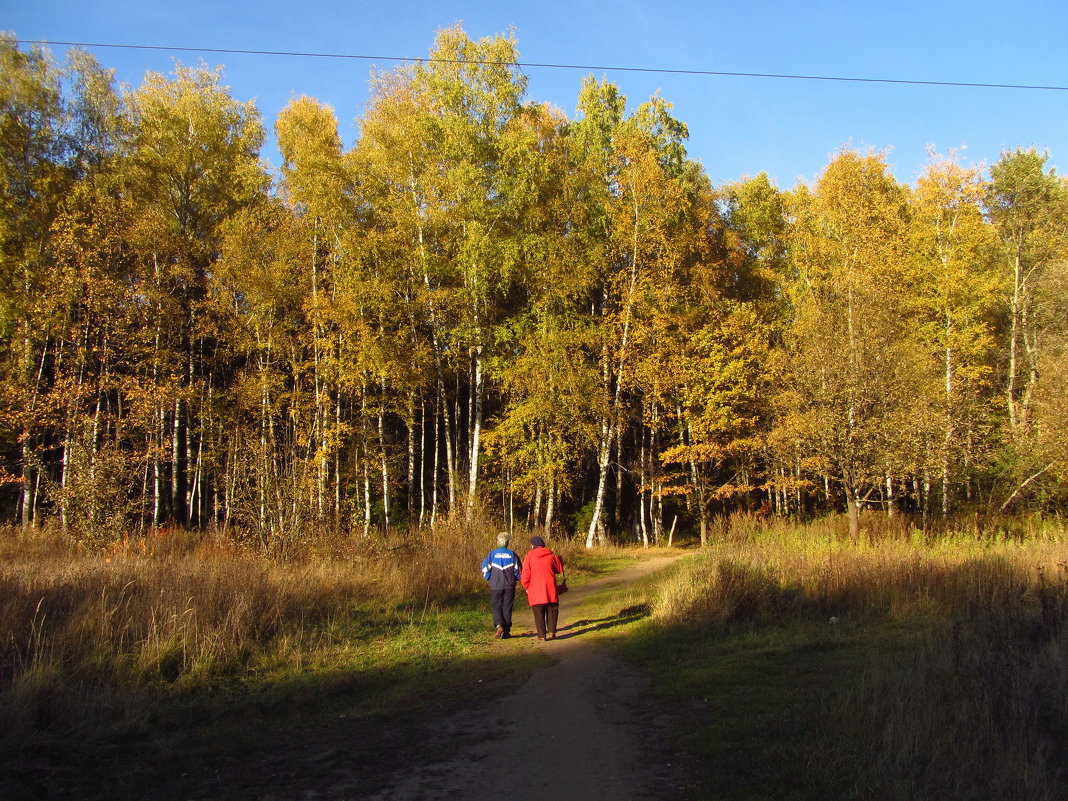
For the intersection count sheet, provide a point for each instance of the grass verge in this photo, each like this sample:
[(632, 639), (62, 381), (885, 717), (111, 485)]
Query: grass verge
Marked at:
[(182, 667), (799, 667)]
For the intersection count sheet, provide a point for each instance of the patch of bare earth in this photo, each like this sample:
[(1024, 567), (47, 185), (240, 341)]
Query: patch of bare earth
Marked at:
[(580, 730)]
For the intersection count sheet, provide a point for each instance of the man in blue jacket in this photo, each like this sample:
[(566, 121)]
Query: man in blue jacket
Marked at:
[(501, 569)]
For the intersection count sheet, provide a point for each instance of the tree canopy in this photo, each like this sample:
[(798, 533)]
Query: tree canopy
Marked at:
[(481, 306)]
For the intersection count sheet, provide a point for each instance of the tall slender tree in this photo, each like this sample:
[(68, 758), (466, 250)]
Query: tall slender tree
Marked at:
[(1027, 205), (854, 370), (192, 162), (953, 294)]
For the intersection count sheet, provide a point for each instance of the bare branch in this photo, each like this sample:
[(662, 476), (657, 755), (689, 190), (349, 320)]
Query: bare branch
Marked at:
[(1020, 488)]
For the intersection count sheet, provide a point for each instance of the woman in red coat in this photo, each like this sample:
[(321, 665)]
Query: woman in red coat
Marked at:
[(540, 568)]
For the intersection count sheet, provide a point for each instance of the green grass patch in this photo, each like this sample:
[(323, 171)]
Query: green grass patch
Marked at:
[(884, 672), (340, 686), (795, 667), (754, 703)]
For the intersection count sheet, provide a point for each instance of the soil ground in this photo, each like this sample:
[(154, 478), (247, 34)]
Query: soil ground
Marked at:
[(582, 729)]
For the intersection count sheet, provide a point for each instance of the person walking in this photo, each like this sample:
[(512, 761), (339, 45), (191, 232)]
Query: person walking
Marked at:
[(540, 569), (501, 568)]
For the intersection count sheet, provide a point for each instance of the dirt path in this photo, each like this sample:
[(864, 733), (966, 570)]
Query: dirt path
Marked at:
[(574, 732)]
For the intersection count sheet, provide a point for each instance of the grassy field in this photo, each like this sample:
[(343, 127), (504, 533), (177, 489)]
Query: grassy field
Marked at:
[(155, 663), (796, 665), (801, 667)]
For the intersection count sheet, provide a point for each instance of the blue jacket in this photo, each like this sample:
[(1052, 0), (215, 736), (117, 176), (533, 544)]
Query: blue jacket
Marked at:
[(501, 568)]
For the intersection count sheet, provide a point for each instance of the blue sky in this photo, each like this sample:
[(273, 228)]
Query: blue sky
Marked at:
[(738, 126)]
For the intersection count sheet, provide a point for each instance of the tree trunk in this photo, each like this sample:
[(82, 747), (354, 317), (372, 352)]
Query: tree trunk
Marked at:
[(853, 505), (26, 493), (450, 454), (337, 463), (891, 497), (699, 491), (603, 458), (31, 474), (64, 483), (535, 512), (699, 499), (550, 508), (643, 480), (384, 460), (1014, 339), (412, 425), (196, 491), (366, 482), (476, 432), (177, 472), (427, 447), (656, 498), (947, 444), (436, 466), (617, 506), (157, 465)]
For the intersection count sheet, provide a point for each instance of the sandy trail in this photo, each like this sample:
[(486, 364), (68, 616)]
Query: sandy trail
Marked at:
[(573, 732)]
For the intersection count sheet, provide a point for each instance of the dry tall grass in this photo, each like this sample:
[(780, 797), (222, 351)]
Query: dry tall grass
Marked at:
[(89, 635), (972, 702)]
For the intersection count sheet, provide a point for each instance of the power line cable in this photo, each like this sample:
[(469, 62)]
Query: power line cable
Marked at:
[(543, 65)]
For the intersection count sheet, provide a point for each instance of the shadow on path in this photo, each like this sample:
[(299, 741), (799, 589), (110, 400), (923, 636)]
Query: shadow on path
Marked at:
[(580, 627), (585, 718)]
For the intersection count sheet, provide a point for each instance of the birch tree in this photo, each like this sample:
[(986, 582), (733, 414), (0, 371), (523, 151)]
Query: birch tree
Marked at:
[(954, 293), (448, 169), (32, 179), (1027, 205), (853, 369), (631, 166), (192, 162)]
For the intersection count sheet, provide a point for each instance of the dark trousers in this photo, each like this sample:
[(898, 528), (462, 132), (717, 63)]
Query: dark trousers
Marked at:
[(501, 603), (545, 617)]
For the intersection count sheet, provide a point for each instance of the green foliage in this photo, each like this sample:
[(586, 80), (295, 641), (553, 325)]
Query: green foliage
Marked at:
[(194, 151)]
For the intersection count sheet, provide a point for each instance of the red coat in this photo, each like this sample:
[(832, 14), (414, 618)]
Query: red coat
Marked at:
[(540, 567)]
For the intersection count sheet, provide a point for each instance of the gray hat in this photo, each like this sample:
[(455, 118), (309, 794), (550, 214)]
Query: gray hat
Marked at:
[(503, 537)]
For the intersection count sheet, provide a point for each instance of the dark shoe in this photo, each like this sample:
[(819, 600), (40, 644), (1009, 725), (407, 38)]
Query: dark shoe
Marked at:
[(507, 634), (498, 633)]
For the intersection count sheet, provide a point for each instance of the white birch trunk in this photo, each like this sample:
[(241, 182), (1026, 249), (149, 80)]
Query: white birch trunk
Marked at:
[(450, 455), (384, 463), (476, 433)]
